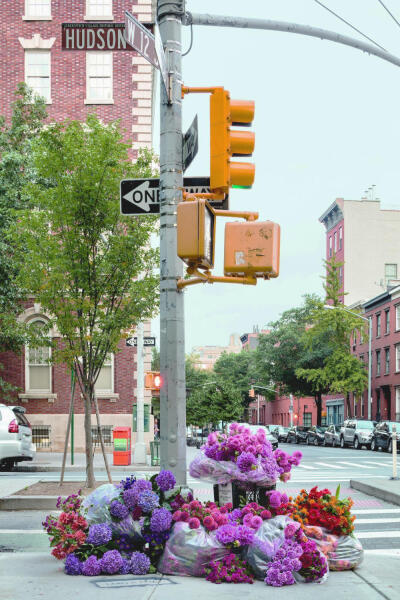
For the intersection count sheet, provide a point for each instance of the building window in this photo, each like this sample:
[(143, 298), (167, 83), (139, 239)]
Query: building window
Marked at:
[(330, 246), (335, 241), (378, 325), (378, 363), (37, 10), (37, 365), (362, 405), (387, 361), (341, 275), (340, 238), (397, 416), (354, 404), (99, 78), (362, 358), (307, 419), (105, 380), (398, 357), (106, 434), (390, 272), (41, 436), (37, 72), (397, 317), (387, 321), (99, 9)]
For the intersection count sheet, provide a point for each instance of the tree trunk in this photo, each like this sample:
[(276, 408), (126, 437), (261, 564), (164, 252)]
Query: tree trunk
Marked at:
[(101, 440), (71, 408), (318, 402), (90, 480), (348, 404)]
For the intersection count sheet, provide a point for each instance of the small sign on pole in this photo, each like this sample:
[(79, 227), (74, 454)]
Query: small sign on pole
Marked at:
[(147, 341), (190, 145)]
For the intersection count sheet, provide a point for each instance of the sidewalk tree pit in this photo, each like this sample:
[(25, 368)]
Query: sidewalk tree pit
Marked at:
[(142, 526)]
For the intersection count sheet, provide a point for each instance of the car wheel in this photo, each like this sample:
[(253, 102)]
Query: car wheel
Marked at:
[(342, 443), (316, 442), (7, 464), (357, 444), (374, 447), (298, 440), (390, 448), (308, 441)]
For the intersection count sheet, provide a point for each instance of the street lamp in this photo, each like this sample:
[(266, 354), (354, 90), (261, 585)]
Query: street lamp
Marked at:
[(369, 319)]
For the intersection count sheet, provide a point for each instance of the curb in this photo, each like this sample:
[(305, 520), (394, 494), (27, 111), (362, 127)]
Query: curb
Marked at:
[(378, 492), (76, 468), (28, 502)]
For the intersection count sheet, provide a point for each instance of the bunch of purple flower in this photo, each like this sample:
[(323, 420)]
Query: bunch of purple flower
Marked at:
[(286, 562), (235, 535), (99, 534)]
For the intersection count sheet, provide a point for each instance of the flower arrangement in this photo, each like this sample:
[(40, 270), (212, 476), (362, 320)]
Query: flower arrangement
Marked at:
[(321, 508), (229, 569), (208, 515), (242, 456), (69, 530)]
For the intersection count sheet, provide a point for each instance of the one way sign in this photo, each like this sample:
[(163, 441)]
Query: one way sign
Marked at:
[(142, 196)]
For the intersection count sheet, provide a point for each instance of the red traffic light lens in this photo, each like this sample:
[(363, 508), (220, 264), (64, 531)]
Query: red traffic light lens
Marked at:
[(158, 381)]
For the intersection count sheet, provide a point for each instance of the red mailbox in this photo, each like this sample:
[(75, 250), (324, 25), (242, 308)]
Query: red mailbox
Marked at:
[(122, 445)]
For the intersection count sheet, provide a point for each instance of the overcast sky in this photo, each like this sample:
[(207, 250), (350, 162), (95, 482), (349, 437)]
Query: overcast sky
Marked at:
[(327, 125)]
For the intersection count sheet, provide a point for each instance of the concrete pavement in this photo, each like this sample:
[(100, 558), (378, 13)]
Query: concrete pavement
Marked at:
[(386, 489), (40, 577), (52, 461)]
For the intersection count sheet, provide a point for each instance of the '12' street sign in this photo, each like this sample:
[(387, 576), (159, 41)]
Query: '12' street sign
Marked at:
[(142, 196), (147, 341)]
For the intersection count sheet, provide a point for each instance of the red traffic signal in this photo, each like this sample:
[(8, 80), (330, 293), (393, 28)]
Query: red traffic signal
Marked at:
[(153, 381)]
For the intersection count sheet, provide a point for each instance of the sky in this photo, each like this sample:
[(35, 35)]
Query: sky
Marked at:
[(327, 125)]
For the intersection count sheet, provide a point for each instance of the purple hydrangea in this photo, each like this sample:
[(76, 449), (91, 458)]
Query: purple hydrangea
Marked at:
[(139, 564), (165, 480), (99, 534), (127, 483), (244, 534), (245, 461), (226, 534), (126, 566), (131, 495), (118, 510), (73, 565), (91, 567), (148, 501), (161, 520), (111, 562)]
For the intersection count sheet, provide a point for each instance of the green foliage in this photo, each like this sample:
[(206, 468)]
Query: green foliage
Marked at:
[(16, 170), (219, 401), (91, 269), (238, 370)]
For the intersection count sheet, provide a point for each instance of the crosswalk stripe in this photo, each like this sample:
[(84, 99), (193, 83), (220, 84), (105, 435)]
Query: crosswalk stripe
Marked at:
[(365, 521), (351, 464), (383, 552), (375, 462), (301, 466), (24, 531), (375, 511), (378, 534), (329, 465)]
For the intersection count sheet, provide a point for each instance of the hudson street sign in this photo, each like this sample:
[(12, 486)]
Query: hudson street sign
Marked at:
[(142, 196), (190, 145), (147, 341), (96, 36)]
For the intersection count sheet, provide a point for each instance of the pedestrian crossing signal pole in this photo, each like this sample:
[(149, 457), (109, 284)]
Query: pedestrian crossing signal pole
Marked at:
[(172, 336)]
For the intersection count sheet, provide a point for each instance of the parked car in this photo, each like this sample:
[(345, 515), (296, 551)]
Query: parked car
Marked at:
[(297, 434), (15, 437), (280, 432), (382, 436), (356, 432), (316, 435), (271, 438), (332, 435)]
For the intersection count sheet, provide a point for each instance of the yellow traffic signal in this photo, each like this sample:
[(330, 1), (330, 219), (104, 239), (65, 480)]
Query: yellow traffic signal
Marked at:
[(226, 142), (252, 248), (196, 233), (251, 393)]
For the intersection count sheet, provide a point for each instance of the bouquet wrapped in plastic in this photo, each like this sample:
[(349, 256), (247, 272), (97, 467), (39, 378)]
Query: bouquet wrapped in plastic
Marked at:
[(281, 555), (189, 551), (343, 552), (242, 456)]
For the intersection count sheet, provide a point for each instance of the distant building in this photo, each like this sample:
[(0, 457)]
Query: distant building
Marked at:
[(207, 356), (367, 239), (250, 340)]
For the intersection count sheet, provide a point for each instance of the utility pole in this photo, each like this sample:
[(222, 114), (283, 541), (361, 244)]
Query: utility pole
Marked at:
[(172, 334), (139, 452)]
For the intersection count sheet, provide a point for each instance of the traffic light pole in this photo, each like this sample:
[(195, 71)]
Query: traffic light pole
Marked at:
[(172, 334), (139, 452)]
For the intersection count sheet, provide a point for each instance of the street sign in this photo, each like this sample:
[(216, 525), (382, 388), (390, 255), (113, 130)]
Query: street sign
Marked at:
[(190, 144), (142, 196), (96, 36), (141, 39), (147, 341)]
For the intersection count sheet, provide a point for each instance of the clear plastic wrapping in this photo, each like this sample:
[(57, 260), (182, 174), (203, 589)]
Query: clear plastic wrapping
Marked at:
[(268, 540), (343, 552), (224, 471)]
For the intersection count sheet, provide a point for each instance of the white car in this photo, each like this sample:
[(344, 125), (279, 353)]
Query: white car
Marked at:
[(15, 437)]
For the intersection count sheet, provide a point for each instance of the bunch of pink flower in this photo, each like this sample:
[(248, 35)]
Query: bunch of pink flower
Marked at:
[(69, 531), (209, 515), (251, 515), (229, 570)]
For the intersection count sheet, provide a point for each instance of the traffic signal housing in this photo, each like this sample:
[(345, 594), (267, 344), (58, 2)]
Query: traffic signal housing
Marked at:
[(196, 233), (226, 142), (153, 381), (251, 393), (252, 249)]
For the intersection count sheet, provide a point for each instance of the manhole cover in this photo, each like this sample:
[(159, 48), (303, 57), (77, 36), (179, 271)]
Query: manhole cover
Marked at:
[(5, 549), (133, 582)]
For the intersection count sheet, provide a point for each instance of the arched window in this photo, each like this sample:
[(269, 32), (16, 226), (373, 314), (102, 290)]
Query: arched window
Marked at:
[(37, 365)]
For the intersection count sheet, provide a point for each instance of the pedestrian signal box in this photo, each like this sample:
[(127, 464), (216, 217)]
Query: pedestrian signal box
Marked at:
[(251, 393), (153, 381), (196, 233), (252, 248)]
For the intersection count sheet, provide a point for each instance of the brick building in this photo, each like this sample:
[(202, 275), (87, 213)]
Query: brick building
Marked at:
[(207, 356), (116, 83)]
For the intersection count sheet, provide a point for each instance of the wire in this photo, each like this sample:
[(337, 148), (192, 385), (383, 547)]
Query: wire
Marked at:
[(350, 25), (191, 40), (388, 11)]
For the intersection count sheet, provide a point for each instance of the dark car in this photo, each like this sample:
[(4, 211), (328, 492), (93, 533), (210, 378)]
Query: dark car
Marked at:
[(382, 436), (332, 436), (297, 434), (280, 432), (316, 435)]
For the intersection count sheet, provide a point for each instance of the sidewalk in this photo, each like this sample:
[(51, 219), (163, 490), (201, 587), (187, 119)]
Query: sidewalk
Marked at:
[(42, 578), (385, 489), (52, 461)]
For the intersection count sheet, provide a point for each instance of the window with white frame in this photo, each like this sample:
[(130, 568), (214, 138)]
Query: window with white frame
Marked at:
[(37, 72), (387, 361), (37, 9), (330, 246), (340, 238), (397, 317), (335, 241), (105, 380), (390, 272), (99, 78), (37, 365), (378, 363), (99, 9), (398, 357)]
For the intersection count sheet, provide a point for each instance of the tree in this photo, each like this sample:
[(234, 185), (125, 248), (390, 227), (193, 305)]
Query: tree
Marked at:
[(341, 372), (237, 369), (218, 401), (16, 170), (91, 269)]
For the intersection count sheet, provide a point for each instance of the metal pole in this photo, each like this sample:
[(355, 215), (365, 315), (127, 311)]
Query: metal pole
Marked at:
[(394, 452), (139, 452), (291, 409), (172, 334), (322, 34), (258, 409), (369, 369)]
